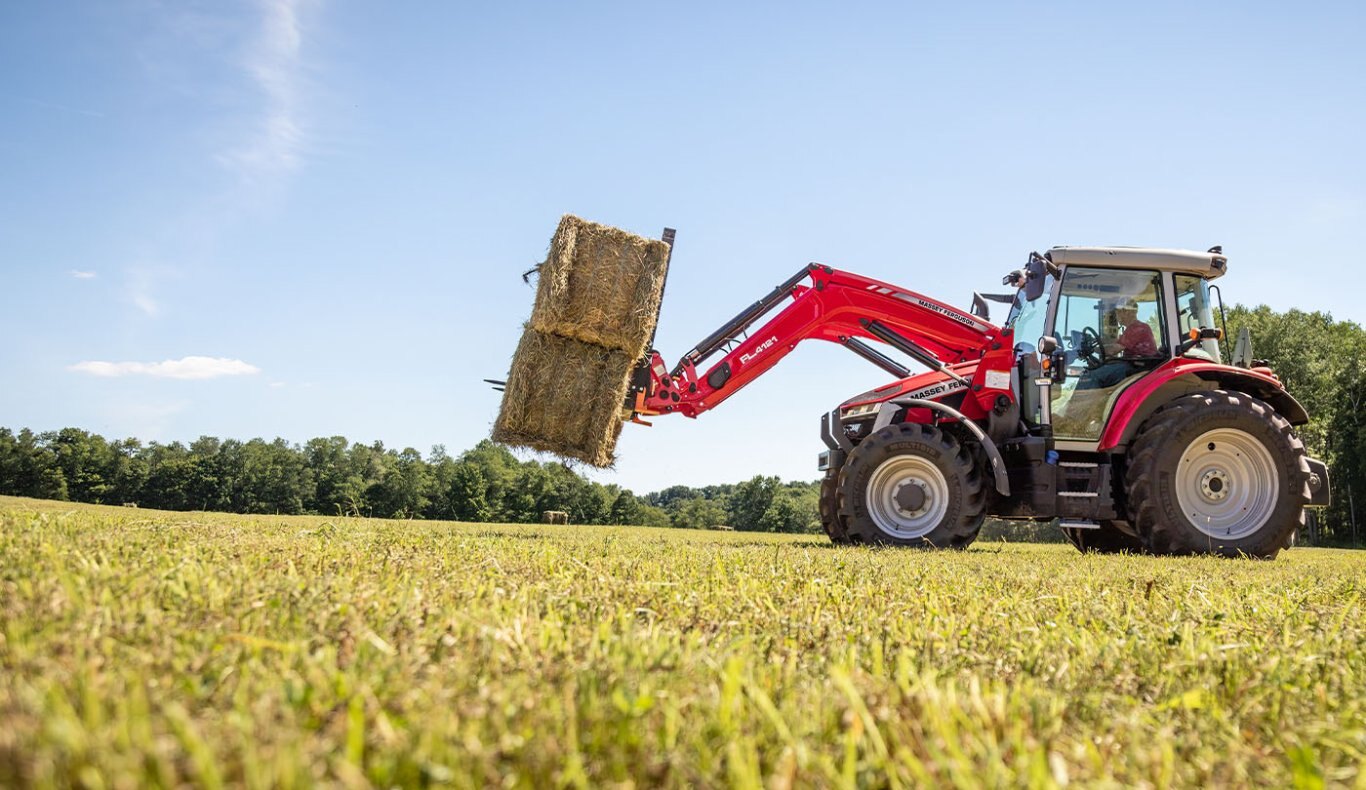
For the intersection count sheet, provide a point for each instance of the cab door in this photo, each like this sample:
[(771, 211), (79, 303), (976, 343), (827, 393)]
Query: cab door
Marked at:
[(1111, 326)]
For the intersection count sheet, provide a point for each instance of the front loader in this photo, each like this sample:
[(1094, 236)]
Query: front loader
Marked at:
[(1101, 402)]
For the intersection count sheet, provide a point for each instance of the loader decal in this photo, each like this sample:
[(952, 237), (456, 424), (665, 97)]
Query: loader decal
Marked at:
[(761, 348), (947, 313), (934, 390)]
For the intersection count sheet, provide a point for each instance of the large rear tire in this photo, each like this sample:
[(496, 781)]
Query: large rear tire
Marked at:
[(830, 509), (911, 485), (1218, 473)]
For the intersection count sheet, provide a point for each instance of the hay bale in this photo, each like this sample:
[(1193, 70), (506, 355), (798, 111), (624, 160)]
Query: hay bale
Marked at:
[(554, 517), (601, 285), (564, 396)]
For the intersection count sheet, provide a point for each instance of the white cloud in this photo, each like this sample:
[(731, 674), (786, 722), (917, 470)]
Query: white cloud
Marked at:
[(184, 368), (274, 65), (80, 275)]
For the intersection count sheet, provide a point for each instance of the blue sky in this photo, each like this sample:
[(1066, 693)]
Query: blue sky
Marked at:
[(306, 218)]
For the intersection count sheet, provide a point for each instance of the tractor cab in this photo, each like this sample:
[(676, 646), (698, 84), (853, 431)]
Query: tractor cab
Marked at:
[(1093, 321)]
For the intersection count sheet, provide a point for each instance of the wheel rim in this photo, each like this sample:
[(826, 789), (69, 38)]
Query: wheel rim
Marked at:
[(1226, 484), (907, 496)]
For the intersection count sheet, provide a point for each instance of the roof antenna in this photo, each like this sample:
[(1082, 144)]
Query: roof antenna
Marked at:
[(1217, 249)]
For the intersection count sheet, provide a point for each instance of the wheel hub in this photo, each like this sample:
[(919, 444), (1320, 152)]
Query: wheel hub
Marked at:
[(910, 497), (907, 496), (1227, 483), (1214, 485)]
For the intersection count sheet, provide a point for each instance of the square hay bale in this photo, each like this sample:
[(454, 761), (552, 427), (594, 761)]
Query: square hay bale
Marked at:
[(601, 285), (564, 396)]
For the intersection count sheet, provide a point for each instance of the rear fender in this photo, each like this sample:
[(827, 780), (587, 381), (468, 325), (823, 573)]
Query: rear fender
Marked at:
[(1182, 377)]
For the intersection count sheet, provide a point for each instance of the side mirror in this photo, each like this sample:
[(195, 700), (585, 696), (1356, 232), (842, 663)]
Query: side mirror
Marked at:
[(1035, 272)]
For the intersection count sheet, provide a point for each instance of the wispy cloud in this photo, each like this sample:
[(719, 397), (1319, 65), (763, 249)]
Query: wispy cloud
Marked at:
[(274, 65), (80, 275), (184, 368), (144, 281), (144, 302)]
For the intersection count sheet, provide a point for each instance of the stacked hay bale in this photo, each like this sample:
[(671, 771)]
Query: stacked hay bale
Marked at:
[(596, 307)]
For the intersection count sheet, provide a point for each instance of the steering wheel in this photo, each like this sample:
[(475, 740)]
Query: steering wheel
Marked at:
[(1091, 350)]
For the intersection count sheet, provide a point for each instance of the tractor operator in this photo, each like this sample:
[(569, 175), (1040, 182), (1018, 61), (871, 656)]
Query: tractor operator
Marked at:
[(1133, 341), (1135, 336)]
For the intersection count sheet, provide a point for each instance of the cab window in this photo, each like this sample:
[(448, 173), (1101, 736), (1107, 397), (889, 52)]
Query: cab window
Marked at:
[(1028, 319), (1195, 311), (1110, 324)]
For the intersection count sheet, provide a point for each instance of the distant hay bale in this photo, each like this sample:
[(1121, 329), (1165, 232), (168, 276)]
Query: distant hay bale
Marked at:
[(564, 397), (554, 517), (601, 285)]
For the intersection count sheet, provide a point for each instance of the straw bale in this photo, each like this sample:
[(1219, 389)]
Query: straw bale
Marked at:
[(601, 285), (565, 397)]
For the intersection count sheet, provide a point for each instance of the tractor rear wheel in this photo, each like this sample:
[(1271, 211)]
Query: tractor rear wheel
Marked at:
[(830, 509), (1109, 539), (911, 485), (1218, 473)]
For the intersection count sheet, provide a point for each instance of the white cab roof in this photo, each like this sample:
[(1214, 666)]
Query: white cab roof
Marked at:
[(1201, 264)]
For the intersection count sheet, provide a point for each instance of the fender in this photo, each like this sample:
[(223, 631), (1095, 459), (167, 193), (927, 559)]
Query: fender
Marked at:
[(1181, 376), (998, 465)]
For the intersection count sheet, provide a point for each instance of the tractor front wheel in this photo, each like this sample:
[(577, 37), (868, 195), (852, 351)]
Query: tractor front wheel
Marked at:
[(1218, 473), (830, 509), (911, 485)]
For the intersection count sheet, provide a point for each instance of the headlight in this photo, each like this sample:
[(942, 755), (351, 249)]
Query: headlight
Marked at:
[(854, 412)]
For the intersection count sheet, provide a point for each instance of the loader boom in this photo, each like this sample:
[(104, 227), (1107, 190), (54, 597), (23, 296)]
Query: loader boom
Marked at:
[(835, 306)]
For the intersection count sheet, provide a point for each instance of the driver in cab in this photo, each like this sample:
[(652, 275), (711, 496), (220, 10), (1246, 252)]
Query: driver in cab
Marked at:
[(1131, 340), (1135, 337)]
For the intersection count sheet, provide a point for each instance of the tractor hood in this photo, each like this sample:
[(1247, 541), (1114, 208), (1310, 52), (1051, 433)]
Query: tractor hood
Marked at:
[(931, 385)]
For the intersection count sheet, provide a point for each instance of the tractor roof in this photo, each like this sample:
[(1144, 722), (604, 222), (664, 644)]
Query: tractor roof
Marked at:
[(1209, 265)]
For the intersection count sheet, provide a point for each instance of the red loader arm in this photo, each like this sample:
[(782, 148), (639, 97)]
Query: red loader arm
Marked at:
[(836, 306)]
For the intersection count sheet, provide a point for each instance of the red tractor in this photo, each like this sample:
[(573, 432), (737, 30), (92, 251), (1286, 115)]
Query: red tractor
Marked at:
[(1102, 402)]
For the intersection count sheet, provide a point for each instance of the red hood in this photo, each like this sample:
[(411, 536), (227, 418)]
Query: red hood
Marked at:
[(923, 385)]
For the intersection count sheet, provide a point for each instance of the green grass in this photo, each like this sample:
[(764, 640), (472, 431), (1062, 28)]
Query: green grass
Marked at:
[(141, 647)]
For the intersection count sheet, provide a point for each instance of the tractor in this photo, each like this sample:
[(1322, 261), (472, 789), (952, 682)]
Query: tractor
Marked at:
[(1102, 402)]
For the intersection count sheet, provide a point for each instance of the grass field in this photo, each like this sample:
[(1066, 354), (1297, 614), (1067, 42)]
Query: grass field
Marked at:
[(142, 647)]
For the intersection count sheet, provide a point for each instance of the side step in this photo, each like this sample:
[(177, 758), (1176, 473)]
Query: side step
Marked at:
[(1073, 524), (1085, 493)]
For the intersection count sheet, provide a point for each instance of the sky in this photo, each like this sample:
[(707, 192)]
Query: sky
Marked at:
[(298, 218)]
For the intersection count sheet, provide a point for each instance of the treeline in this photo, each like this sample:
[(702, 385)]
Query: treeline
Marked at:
[(333, 476), (1323, 364)]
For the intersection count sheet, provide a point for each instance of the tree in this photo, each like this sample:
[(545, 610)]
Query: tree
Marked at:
[(751, 501), (699, 513), (87, 464), (338, 487), (29, 468), (625, 510), (468, 494)]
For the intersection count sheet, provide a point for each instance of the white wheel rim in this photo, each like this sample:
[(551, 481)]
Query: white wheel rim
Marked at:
[(1226, 484), (887, 502)]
